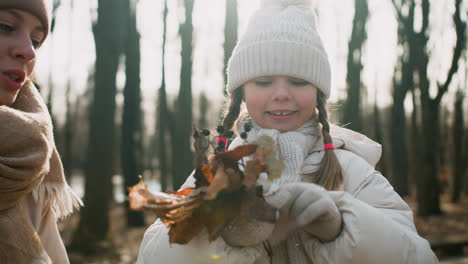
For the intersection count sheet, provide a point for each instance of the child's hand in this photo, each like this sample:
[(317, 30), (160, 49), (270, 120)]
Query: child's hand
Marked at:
[(311, 207)]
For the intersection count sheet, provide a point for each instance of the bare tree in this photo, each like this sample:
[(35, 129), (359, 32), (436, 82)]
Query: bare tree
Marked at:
[(93, 228), (428, 192), (68, 126), (183, 164), (230, 33), (352, 113), (132, 133), (162, 123), (405, 66)]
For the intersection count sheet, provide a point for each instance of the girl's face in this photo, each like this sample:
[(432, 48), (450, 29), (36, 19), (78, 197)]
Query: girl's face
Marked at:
[(21, 33), (280, 102)]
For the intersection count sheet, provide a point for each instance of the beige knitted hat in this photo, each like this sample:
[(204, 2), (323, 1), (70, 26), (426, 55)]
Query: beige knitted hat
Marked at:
[(36, 7), (281, 39)]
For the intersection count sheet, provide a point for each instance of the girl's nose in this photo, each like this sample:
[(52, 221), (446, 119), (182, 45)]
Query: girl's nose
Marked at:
[(24, 50), (281, 91)]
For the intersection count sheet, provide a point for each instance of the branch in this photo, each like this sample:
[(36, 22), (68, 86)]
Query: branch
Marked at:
[(401, 17), (460, 28), (425, 16)]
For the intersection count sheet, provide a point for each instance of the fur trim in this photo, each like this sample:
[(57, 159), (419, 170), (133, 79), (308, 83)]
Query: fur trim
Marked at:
[(285, 3), (60, 196)]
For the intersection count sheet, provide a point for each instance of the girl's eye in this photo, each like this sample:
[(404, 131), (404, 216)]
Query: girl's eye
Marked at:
[(263, 82), (6, 28), (36, 44), (298, 83)]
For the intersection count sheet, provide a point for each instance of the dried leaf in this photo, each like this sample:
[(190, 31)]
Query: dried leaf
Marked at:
[(170, 208), (252, 170), (184, 231), (235, 177), (207, 172), (184, 192), (200, 178), (237, 153), (220, 182), (274, 166)]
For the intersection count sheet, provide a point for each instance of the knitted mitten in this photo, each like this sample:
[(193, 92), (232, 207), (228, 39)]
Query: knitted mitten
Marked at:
[(242, 232), (310, 205)]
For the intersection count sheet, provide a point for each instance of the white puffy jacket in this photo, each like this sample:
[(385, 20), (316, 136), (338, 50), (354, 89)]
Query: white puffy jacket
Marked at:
[(378, 225)]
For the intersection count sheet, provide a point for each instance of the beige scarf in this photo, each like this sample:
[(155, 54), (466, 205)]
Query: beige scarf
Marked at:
[(29, 163)]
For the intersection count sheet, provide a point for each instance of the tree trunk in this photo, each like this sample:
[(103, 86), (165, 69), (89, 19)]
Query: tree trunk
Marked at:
[(131, 139), (428, 184), (415, 146), (68, 135), (163, 115), (399, 149), (458, 127), (381, 166), (67, 156), (400, 89), (230, 34), (93, 228), (183, 164), (352, 113)]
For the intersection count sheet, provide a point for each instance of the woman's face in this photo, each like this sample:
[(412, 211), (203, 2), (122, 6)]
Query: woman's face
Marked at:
[(21, 33), (280, 102)]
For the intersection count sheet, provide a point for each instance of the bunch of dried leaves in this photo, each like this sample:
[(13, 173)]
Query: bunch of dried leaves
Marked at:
[(224, 189)]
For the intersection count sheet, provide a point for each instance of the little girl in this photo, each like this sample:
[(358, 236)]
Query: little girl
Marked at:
[(33, 190), (334, 206)]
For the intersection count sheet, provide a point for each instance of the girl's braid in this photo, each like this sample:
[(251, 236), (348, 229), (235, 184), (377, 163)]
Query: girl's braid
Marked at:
[(323, 118), (329, 174), (234, 109)]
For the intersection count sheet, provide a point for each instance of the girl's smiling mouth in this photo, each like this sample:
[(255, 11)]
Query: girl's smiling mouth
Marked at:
[(281, 113)]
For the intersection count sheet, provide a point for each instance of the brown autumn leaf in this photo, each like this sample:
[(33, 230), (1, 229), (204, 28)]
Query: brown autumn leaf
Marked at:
[(235, 177), (170, 208), (184, 231), (237, 153), (203, 176), (184, 192), (220, 182), (253, 168)]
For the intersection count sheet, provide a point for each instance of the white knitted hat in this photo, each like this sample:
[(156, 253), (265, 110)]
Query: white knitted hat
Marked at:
[(281, 39)]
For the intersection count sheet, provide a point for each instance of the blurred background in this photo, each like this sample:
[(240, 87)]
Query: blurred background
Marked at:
[(126, 80)]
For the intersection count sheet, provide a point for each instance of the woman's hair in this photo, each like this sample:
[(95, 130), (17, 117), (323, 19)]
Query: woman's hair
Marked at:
[(329, 174)]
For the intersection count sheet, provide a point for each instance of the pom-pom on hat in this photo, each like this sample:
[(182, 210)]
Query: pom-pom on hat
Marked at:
[(281, 39), (36, 7)]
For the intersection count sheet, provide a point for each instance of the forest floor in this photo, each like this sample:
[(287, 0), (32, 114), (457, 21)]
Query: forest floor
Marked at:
[(126, 241)]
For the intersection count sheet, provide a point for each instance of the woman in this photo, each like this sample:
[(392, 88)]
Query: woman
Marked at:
[(33, 190)]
